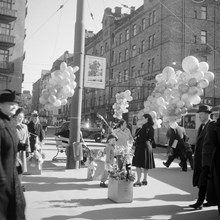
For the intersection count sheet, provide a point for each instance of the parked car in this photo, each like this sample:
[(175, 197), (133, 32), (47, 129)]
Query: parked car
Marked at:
[(87, 133)]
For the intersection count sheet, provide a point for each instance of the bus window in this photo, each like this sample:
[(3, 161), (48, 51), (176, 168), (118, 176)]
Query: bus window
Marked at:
[(190, 121)]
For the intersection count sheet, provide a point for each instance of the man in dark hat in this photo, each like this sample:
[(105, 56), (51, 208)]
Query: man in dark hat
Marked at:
[(12, 205), (200, 175), (211, 162)]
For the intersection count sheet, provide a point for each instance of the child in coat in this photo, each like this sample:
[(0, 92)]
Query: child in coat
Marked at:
[(110, 155)]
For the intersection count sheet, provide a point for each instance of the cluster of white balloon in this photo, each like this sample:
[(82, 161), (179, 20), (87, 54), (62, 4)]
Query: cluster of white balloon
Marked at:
[(121, 104), (61, 86), (177, 91)]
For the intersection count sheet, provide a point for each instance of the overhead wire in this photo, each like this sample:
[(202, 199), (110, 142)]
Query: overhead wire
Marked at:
[(46, 21)]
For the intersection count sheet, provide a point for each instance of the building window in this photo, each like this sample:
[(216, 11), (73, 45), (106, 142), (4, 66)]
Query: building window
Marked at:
[(133, 71), (120, 38), (120, 57), (126, 54), (113, 56), (203, 58), (127, 34), (151, 41), (152, 64), (5, 29), (195, 13), (4, 57), (119, 77), (111, 75), (106, 47), (143, 23), (149, 66), (133, 92), (142, 69), (133, 50), (134, 30), (195, 39), (203, 12), (203, 37), (152, 17), (111, 92), (126, 75), (142, 46), (101, 50), (103, 100), (113, 38)]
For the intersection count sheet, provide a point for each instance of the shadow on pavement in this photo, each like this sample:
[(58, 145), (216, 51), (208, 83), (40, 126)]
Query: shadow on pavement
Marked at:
[(162, 213)]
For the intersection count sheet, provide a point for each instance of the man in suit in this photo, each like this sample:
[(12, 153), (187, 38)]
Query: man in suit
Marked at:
[(199, 174)]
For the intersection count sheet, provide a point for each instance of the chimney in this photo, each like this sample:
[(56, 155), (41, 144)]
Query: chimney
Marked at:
[(118, 11), (132, 9)]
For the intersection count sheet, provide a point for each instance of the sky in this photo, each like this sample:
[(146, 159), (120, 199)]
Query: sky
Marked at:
[(50, 31)]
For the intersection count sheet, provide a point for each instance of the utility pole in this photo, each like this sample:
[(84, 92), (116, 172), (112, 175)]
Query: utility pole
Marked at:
[(76, 101)]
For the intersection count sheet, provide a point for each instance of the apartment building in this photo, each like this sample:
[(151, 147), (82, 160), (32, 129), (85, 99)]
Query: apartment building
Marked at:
[(137, 46), (12, 35)]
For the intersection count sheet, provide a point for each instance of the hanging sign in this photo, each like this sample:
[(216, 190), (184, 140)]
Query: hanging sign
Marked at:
[(95, 70)]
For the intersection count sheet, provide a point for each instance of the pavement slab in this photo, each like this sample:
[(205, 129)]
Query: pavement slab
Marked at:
[(65, 194)]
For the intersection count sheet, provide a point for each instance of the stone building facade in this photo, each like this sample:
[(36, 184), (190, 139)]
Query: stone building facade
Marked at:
[(12, 35), (137, 46)]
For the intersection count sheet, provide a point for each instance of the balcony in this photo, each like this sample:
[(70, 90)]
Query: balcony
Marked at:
[(6, 67), (6, 41), (7, 15), (200, 49)]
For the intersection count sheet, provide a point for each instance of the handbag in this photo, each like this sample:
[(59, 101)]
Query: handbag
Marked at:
[(175, 142), (170, 151)]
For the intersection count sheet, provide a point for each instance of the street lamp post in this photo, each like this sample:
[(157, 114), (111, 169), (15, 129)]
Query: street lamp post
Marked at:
[(76, 101)]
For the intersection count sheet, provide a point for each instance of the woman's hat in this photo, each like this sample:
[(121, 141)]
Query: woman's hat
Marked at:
[(9, 96), (111, 136), (34, 113), (204, 108)]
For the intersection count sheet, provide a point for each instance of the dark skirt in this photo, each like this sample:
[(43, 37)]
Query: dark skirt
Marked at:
[(143, 157)]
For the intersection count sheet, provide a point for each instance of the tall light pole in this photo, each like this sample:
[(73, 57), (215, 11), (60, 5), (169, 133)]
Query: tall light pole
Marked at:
[(76, 101)]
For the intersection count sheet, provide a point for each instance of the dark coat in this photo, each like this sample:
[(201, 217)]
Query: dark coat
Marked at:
[(35, 131), (211, 159), (143, 155), (12, 202), (198, 153)]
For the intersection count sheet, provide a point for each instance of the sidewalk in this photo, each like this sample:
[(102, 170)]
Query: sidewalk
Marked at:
[(61, 194)]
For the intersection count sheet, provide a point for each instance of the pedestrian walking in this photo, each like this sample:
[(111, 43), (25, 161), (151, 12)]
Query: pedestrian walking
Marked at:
[(211, 163), (124, 140), (12, 201), (109, 161), (176, 135), (35, 130), (143, 154), (200, 176)]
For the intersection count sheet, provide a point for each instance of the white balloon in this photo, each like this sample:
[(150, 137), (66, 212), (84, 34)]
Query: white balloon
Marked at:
[(63, 66), (190, 64)]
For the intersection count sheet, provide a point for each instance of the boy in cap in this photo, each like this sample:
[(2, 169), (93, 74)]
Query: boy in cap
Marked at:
[(12, 205), (110, 155)]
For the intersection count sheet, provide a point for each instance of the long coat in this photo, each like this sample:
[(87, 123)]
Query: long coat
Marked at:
[(12, 202), (198, 153), (143, 155), (211, 158)]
